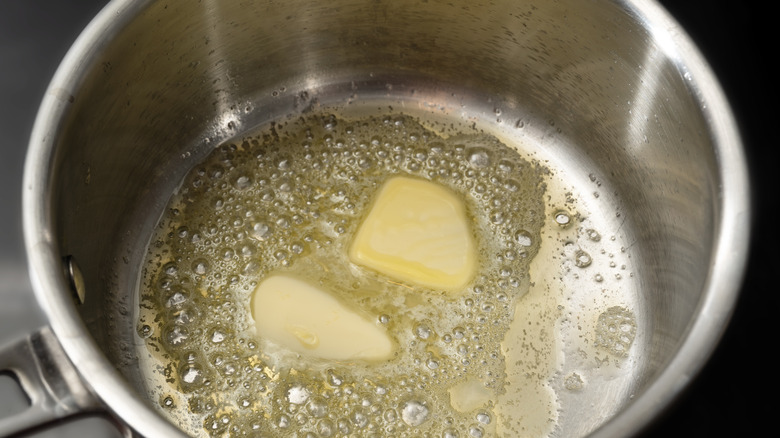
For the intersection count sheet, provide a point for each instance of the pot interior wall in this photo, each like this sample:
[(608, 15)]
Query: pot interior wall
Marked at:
[(587, 80)]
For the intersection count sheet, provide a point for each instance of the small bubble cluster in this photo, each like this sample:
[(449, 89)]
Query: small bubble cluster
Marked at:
[(290, 199), (615, 330), (573, 382)]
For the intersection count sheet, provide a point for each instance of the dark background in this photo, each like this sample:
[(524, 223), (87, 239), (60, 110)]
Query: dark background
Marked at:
[(732, 394)]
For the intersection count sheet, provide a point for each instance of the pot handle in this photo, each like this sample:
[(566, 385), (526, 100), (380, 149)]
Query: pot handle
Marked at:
[(53, 386)]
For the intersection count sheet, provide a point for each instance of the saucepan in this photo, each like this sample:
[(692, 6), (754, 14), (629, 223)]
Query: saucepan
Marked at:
[(611, 97)]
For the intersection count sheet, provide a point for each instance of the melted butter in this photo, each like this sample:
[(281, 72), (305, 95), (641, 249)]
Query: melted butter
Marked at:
[(469, 395), (373, 212)]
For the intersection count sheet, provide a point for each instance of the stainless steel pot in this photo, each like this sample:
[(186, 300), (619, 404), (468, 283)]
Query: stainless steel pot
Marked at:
[(150, 87)]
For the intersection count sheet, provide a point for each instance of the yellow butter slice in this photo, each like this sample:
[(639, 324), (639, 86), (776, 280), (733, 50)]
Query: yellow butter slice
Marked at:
[(417, 232), (303, 318)]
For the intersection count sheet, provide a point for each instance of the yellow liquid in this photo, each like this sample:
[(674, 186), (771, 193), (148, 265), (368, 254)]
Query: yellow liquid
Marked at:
[(290, 200)]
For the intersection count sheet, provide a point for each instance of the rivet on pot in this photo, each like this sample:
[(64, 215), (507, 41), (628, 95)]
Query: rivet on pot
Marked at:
[(75, 279)]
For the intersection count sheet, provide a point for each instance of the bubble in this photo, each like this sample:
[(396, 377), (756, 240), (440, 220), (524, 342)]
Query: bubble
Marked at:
[(365, 163), (512, 185), (267, 195), (582, 259), (523, 238), (483, 417), (562, 218), (218, 336), (247, 250), (184, 315), (250, 268), (145, 331), (226, 253), (329, 122), (458, 332), (165, 283), (191, 376), (325, 428), (227, 369), (359, 419), (450, 433), (297, 248), (243, 182), (497, 217), (479, 157), (505, 165), (170, 269), (593, 235), (200, 266), (573, 382), (422, 331), (414, 413), (285, 185), (175, 298), (298, 394), (390, 416), (283, 163), (260, 231), (317, 407)]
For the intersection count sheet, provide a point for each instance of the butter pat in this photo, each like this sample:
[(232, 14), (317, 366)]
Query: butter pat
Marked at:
[(308, 320), (417, 232)]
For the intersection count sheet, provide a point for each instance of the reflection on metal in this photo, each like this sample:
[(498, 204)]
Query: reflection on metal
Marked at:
[(76, 279), (53, 386)]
